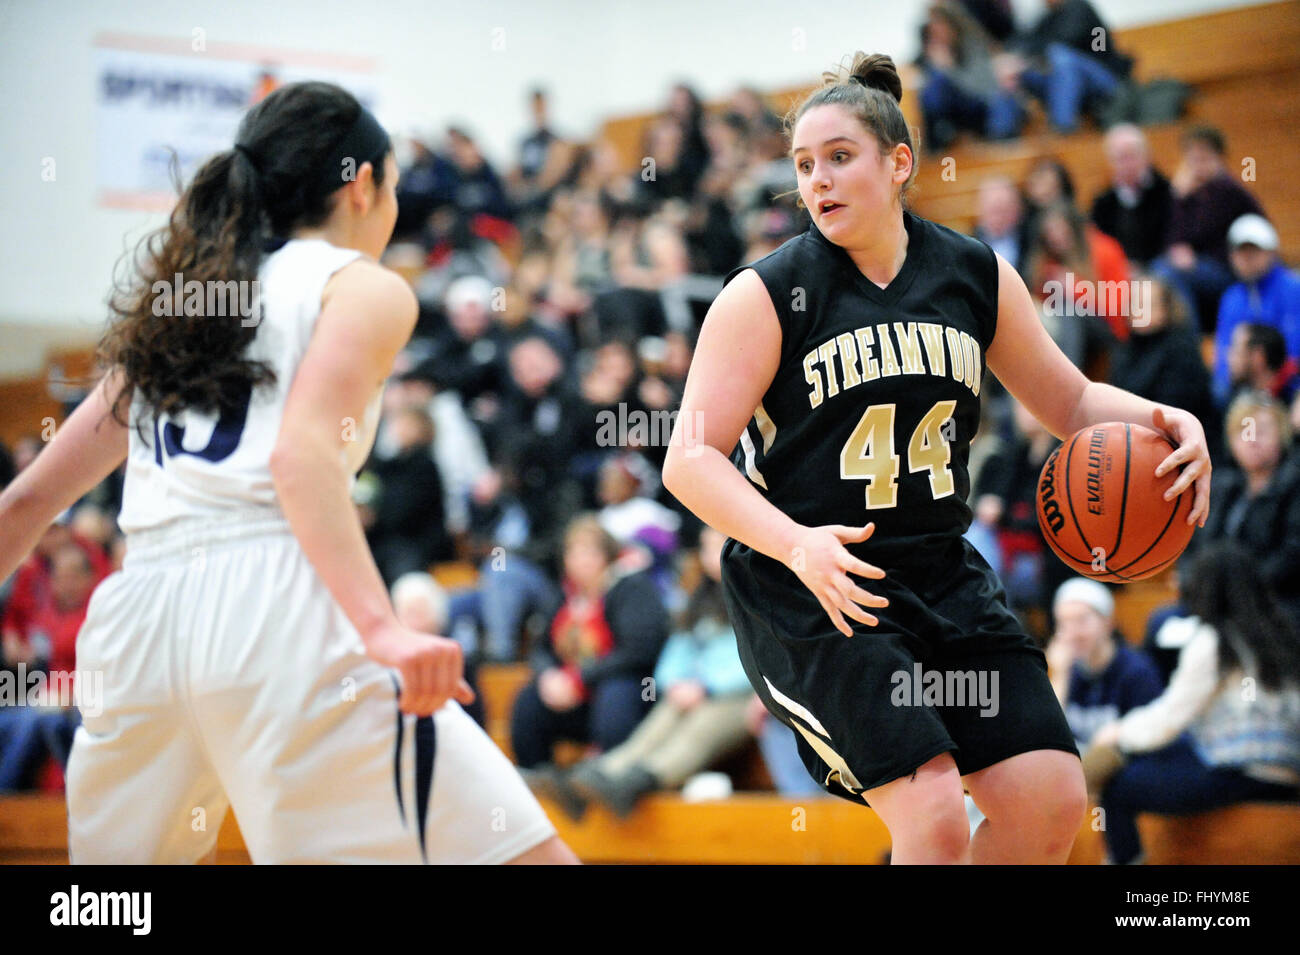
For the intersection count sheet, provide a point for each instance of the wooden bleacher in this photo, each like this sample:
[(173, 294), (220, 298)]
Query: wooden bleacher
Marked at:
[(1244, 65), (749, 827), (758, 828)]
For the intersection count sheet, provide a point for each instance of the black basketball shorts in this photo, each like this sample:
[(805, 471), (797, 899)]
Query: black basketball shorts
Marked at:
[(948, 668)]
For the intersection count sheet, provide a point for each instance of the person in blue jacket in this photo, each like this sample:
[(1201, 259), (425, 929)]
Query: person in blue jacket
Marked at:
[(1267, 293)]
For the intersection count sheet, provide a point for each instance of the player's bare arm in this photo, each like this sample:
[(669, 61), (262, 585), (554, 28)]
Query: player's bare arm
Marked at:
[(84, 450), (367, 315)]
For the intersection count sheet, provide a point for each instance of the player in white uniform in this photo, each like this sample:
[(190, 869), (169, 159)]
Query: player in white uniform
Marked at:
[(249, 650)]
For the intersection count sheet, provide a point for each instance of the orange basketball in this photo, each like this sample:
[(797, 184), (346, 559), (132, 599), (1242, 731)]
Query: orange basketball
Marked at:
[(1102, 509)]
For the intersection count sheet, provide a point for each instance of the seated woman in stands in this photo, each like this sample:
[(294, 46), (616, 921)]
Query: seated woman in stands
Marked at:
[(1257, 502), (1227, 728), (591, 679), (701, 714)]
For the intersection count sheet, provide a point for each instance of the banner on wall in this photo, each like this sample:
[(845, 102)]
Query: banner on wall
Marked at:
[(164, 100)]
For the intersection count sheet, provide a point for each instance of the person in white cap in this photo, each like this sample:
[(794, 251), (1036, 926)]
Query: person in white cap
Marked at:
[(1266, 293), (1096, 675)]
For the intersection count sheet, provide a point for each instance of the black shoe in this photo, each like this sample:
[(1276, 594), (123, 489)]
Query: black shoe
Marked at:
[(550, 783), (619, 793)]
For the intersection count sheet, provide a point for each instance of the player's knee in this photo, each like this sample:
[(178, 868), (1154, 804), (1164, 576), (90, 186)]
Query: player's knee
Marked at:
[(1069, 800), (1059, 803), (946, 835), (939, 827)]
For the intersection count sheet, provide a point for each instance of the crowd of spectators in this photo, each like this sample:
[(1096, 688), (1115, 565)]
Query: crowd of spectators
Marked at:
[(525, 424)]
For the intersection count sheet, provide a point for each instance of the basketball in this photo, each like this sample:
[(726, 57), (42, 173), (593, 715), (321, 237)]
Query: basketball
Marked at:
[(1102, 509)]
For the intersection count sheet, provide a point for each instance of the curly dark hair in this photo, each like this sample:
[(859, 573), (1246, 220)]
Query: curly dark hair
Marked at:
[(236, 201)]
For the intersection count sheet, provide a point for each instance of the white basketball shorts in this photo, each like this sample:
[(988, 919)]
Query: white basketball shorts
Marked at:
[(231, 678)]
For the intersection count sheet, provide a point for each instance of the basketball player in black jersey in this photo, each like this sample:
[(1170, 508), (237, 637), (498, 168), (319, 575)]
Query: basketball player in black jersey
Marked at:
[(844, 369)]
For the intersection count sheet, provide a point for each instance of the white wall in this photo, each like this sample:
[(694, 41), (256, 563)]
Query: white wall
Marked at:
[(436, 64)]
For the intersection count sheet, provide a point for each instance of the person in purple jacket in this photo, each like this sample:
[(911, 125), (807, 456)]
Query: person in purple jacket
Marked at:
[(1207, 199)]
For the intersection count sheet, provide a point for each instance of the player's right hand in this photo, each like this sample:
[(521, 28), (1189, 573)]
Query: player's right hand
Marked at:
[(823, 563), (431, 669)]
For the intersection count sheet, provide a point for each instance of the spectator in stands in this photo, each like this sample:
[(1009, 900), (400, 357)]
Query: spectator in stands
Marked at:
[(1097, 676), (610, 399), (468, 355), (458, 449), (687, 111), (93, 524), (407, 530), (1170, 626), (1161, 360), (39, 727), (32, 582), (1207, 199), (479, 191), (590, 678), (1257, 361), (1005, 497), (1000, 220), (520, 507), (422, 605), (1047, 184), (1257, 502), (1078, 273), (960, 91), (543, 159), (1266, 293), (667, 171), (630, 513), (582, 254), (426, 184), (702, 697), (749, 103), (995, 16), (1227, 728), (651, 257), (1068, 60), (713, 242), (1135, 209)]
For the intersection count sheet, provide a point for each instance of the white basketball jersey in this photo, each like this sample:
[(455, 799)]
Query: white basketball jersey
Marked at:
[(198, 465)]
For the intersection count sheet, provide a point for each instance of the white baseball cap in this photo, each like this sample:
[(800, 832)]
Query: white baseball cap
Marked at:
[(1252, 229), (468, 289), (1088, 592)]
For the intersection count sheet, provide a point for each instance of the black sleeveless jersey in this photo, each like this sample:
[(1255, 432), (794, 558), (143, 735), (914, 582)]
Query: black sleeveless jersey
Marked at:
[(876, 399)]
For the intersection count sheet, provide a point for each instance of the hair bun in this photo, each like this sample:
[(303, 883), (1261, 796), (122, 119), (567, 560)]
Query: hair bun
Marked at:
[(877, 71)]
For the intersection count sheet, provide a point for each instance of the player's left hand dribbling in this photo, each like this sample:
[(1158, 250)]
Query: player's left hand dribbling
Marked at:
[(823, 564), (1192, 454)]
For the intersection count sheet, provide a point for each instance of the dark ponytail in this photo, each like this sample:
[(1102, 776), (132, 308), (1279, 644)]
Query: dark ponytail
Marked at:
[(1229, 593), (173, 347), (872, 91)]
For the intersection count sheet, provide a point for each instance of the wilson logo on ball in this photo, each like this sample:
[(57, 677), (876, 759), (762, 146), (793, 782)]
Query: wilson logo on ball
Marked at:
[(1048, 508)]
